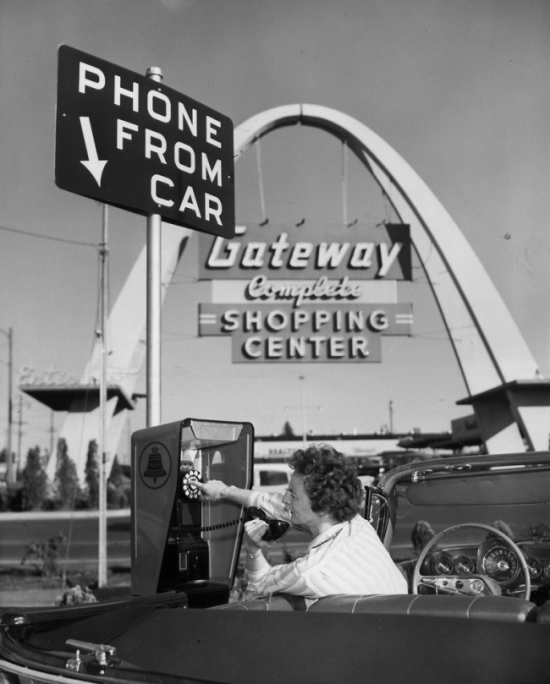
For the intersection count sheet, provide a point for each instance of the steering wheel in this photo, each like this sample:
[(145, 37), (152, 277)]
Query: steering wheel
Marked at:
[(472, 585)]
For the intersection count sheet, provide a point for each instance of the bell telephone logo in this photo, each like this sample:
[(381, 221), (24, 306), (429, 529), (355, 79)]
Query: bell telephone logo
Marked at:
[(155, 465)]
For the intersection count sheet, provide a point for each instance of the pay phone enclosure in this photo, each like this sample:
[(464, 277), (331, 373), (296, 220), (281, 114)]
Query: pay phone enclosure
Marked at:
[(180, 542)]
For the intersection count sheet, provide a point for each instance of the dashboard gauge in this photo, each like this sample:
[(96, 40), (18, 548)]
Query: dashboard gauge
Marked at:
[(478, 586), (535, 568), (501, 564), (465, 565), (442, 564)]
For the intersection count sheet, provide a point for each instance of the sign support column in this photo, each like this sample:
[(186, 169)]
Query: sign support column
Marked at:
[(102, 448), (153, 381)]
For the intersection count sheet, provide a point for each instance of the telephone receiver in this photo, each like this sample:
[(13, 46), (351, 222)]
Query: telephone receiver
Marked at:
[(276, 529)]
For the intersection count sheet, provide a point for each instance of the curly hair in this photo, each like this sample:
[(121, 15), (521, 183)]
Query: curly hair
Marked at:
[(330, 481)]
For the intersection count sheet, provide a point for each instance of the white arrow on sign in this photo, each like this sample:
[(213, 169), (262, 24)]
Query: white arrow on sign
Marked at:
[(94, 165)]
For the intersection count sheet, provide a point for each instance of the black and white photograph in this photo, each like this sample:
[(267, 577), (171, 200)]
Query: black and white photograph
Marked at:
[(274, 337)]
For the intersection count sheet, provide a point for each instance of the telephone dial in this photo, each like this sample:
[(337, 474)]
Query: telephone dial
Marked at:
[(188, 486), (276, 528)]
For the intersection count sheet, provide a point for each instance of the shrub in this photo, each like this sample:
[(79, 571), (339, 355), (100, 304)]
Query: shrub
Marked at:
[(76, 596), (44, 555)]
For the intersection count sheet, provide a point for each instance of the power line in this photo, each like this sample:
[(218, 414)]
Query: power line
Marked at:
[(48, 237)]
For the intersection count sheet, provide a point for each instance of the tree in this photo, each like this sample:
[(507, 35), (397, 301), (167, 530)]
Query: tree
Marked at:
[(118, 494), (116, 476), (65, 476), (92, 474), (288, 432), (35, 480)]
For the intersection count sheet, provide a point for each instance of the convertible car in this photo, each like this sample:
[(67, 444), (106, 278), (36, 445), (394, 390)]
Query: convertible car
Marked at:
[(470, 533)]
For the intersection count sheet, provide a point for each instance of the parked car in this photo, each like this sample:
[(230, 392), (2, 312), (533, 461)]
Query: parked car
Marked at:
[(271, 477), (274, 477), (369, 469), (472, 534)]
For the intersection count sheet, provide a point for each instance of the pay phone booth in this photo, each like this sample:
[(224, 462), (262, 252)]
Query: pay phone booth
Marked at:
[(178, 541)]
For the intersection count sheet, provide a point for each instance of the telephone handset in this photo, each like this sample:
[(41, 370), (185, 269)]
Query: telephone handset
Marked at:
[(276, 528)]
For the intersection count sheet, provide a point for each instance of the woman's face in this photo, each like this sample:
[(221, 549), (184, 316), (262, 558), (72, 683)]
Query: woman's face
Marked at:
[(299, 505)]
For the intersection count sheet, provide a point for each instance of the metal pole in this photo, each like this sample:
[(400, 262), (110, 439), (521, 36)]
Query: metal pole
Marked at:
[(302, 378), (153, 380), (102, 504), (19, 434), (344, 183), (52, 431), (10, 474)]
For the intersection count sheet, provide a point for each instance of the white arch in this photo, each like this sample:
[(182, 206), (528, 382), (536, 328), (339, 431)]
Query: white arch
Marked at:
[(489, 347)]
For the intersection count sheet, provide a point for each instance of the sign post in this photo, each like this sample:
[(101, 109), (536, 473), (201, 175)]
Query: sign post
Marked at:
[(154, 298), (102, 449), (126, 139)]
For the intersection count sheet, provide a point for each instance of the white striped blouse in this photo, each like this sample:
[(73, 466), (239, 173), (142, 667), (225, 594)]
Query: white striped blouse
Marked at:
[(348, 558)]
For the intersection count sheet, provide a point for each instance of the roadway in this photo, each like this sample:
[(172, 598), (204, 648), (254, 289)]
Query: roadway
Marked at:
[(80, 530)]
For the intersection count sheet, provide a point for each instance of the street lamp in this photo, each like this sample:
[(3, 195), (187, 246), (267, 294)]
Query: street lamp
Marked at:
[(10, 475), (303, 409), (302, 378)]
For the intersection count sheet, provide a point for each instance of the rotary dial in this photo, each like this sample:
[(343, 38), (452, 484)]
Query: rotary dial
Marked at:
[(190, 490)]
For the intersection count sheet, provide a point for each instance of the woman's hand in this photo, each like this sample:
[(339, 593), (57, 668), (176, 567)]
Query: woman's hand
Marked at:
[(213, 490), (254, 530)]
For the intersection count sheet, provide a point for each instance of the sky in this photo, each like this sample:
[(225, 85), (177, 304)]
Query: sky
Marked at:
[(458, 88)]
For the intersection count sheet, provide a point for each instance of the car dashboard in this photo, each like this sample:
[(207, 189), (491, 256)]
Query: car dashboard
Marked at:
[(497, 560)]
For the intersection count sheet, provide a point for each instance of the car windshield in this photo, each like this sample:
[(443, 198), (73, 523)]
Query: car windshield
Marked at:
[(512, 496)]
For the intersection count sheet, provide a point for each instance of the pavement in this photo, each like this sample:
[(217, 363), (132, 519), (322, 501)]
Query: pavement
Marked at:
[(33, 597), (23, 588)]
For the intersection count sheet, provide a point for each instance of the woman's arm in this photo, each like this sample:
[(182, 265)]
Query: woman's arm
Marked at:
[(216, 490), (271, 503)]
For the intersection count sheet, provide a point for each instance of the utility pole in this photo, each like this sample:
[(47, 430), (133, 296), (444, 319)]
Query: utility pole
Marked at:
[(20, 424), (302, 378), (52, 431), (10, 474), (391, 416)]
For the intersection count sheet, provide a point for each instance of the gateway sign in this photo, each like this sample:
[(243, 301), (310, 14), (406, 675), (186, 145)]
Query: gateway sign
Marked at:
[(284, 252), (288, 294)]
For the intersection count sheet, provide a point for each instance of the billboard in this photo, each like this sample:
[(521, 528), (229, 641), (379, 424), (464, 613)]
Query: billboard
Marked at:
[(288, 294), (128, 140)]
